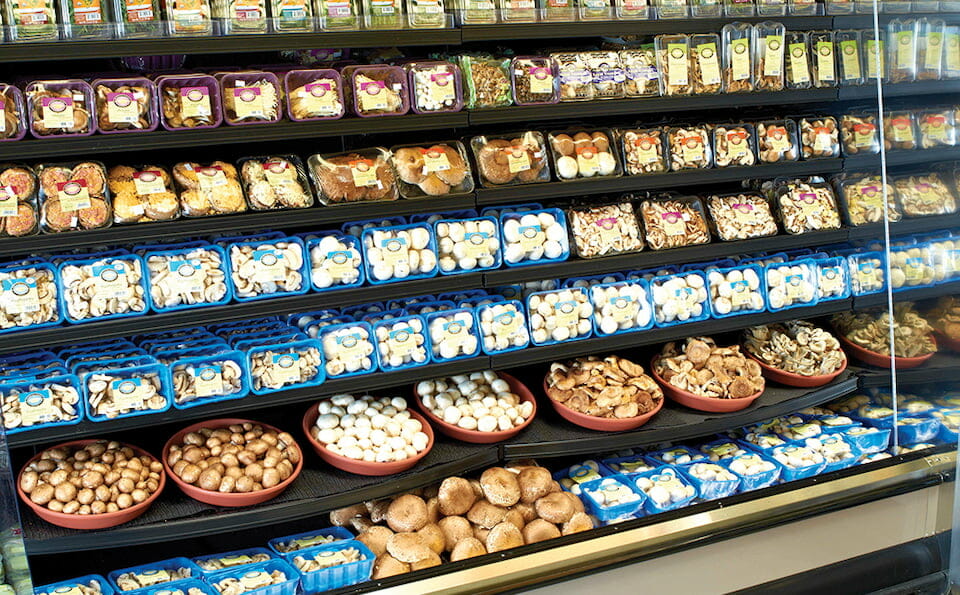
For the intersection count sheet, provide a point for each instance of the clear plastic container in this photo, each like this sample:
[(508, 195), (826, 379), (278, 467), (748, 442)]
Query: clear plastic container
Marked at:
[(839, 6), (338, 14), (734, 145), (777, 141), (644, 151), (902, 50), (188, 17), (477, 12), (126, 105), (924, 195), (357, 176), (435, 87), (819, 137), (584, 154), (768, 56), (899, 131), (951, 52), (930, 48), (292, 15), (674, 64), (426, 14), (212, 189), (806, 207), (862, 198), (557, 10), (85, 19), (640, 71), (18, 201), (874, 44), (804, 7), (60, 108), (739, 8), (189, 101), (13, 113), (376, 90), (771, 8), (534, 237), (30, 20), (507, 160), (102, 288), (275, 182), (605, 230), (74, 196), (240, 16), (576, 82), (741, 216), (383, 14), (596, 10), (679, 298), (314, 94), (689, 147), (534, 80), (849, 63), (737, 58), (142, 194), (705, 62), (672, 9), (487, 81), (607, 72), (736, 290), (823, 49), (633, 9), (264, 269), (251, 97), (439, 169), (674, 222), (798, 60), (937, 128), (706, 8), (858, 133), (400, 253)]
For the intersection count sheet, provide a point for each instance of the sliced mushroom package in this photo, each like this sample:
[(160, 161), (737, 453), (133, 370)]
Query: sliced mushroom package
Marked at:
[(674, 222), (741, 216), (605, 230), (275, 182), (102, 288)]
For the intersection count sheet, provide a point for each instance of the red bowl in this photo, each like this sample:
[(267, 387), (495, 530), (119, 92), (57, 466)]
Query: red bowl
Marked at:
[(880, 360), (90, 521), (945, 341), (708, 404), (365, 467), (216, 498), (473, 436), (792, 379), (602, 424)]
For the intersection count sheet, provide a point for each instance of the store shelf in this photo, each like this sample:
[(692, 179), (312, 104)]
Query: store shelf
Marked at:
[(944, 366), (101, 144), (907, 295), (230, 44), (689, 177), (902, 158), (905, 226), (869, 92), (551, 436)]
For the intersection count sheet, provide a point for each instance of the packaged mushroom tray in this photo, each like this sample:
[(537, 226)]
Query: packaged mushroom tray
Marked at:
[(532, 237), (863, 198), (48, 402), (559, 315), (125, 387), (937, 128), (735, 290), (73, 196), (438, 169), (922, 195), (605, 230), (314, 94), (14, 118), (18, 200), (689, 147), (487, 80), (819, 137), (377, 90), (674, 222), (621, 306), (644, 150), (187, 277), (125, 104), (158, 575), (102, 288), (733, 145), (142, 194), (275, 182), (212, 189), (584, 154), (741, 216), (356, 176), (806, 207), (858, 133), (29, 297), (504, 160), (60, 108), (435, 86), (251, 97), (467, 244), (189, 101), (399, 252), (777, 141)]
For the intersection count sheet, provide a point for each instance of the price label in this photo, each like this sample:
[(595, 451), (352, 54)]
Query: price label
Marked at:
[(208, 382), (709, 65), (875, 59), (531, 237), (799, 71), (623, 309), (608, 229), (246, 10), (864, 135), (902, 130), (677, 65), (953, 52), (822, 140), (211, 178), (111, 281), (773, 55), (567, 313), (393, 251), (364, 174), (687, 295), (913, 269), (737, 146), (934, 52), (434, 159), (506, 324), (541, 81), (674, 223), (256, 579), (475, 244), (128, 394), (339, 264), (867, 274), (231, 561), (248, 103), (139, 12), (8, 201), (122, 108), (271, 266), (744, 213), (187, 276), (442, 88), (518, 159), (87, 12), (57, 112), (794, 286), (402, 342), (321, 98), (148, 182), (195, 102), (831, 280), (20, 296), (740, 58), (825, 62), (152, 577), (73, 195), (275, 170), (691, 147), (740, 294), (286, 369), (935, 127), (588, 162), (778, 139), (330, 558), (809, 204), (647, 149), (351, 347), (906, 50), (305, 542), (373, 96), (850, 58), (871, 196), (455, 333)]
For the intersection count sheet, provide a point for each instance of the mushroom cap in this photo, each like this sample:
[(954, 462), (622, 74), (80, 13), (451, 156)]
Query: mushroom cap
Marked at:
[(454, 529), (535, 483), (486, 515), (467, 548), (503, 537), (500, 486), (433, 537), (429, 562), (456, 496), (408, 547), (555, 508), (386, 565), (407, 513), (539, 530), (579, 522), (376, 538)]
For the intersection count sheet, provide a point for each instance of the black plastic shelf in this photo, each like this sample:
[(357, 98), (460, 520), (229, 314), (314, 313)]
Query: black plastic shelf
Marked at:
[(689, 177), (551, 436), (902, 158), (905, 226), (869, 91), (920, 293), (944, 366), (83, 49)]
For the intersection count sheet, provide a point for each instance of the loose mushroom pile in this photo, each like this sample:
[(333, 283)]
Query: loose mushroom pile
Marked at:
[(795, 346), (871, 330), (463, 518), (612, 387), (699, 366)]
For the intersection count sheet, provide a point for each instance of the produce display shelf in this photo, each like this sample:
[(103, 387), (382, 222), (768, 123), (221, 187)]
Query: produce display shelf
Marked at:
[(905, 226), (869, 92), (901, 158), (944, 366), (907, 295)]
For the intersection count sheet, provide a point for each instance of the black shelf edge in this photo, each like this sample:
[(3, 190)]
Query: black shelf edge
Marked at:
[(905, 226), (548, 30), (690, 177), (353, 385), (865, 21), (902, 158), (224, 135), (133, 325), (920, 293), (67, 49), (647, 105), (944, 366), (711, 424), (253, 221), (869, 91)]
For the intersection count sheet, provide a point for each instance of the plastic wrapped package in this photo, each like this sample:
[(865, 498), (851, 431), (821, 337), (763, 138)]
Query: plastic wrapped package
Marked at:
[(264, 269), (478, 12), (29, 20), (771, 8), (672, 9), (902, 50), (833, 278), (706, 8), (314, 94), (240, 16), (607, 72), (207, 375), (335, 261), (348, 349), (874, 44), (823, 64), (850, 64), (911, 266), (596, 10), (189, 101), (937, 128), (426, 14), (118, 288), (251, 97), (951, 53), (640, 71), (737, 58), (518, 11), (282, 366), (866, 272), (557, 10), (188, 17), (924, 195), (401, 342), (679, 298), (357, 176), (376, 90), (338, 14), (674, 223), (705, 64), (13, 114), (621, 306), (187, 278), (115, 390), (858, 133), (440, 169), (739, 8), (560, 315), (18, 201), (126, 104), (605, 230), (453, 334), (487, 80), (930, 38), (798, 60), (275, 182), (584, 154), (674, 64), (819, 137), (534, 80), (777, 141), (736, 290), (534, 237), (508, 160), (209, 189), (74, 196), (644, 151), (435, 87), (899, 131), (689, 147), (142, 194), (466, 245), (741, 216), (768, 56), (399, 253), (292, 15), (60, 108), (806, 207), (862, 196), (634, 9), (29, 297), (734, 145), (86, 19), (576, 82), (34, 403), (791, 285)]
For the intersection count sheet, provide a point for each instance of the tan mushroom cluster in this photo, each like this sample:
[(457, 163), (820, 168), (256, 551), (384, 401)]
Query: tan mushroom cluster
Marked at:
[(795, 346), (462, 518), (699, 366), (871, 330), (945, 317), (612, 387)]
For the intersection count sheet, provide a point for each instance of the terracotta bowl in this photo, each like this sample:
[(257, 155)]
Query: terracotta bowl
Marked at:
[(880, 360), (365, 467), (602, 424), (90, 521), (792, 379), (216, 498), (708, 404), (474, 436)]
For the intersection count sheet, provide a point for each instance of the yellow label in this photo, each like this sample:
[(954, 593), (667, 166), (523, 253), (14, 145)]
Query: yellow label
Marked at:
[(211, 177), (830, 280), (434, 160), (799, 71), (305, 542), (275, 170), (902, 130), (587, 160), (331, 558), (352, 347), (773, 55), (567, 313), (208, 381), (825, 62), (737, 144), (255, 579), (236, 560), (74, 195), (186, 276), (692, 149), (152, 577), (778, 139), (37, 407), (248, 103), (506, 324), (339, 264), (373, 96), (195, 102), (953, 52), (677, 65), (364, 173), (455, 333), (476, 244), (402, 342), (623, 309), (57, 112), (740, 58), (935, 127), (647, 149), (541, 81), (875, 59), (906, 50), (8, 202), (850, 55), (608, 229), (271, 266), (913, 269), (744, 213), (122, 108), (111, 281), (822, 140), (709, 65), (934, 52), (393, 251), (740, 294), (531, 237), (442, 87), (864, 135), (148, 182), (321, 98), (517, 159), (794, 286), (867, 275), (129, 394), (674, 223), (20, 296)]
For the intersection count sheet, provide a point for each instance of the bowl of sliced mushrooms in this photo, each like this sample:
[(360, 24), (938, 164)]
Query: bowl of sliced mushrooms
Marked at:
[(795, 353), (866, 336)]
